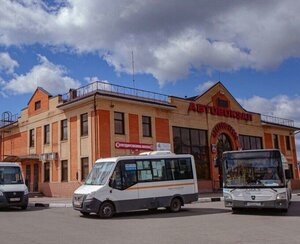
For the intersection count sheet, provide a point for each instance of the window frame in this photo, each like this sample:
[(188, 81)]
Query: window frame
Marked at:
[(63, 128), (37, 105), (288, 143), (276, 141), (47, 134), (64, 174), (82, 162), (147, 126), (47, 172), (84, 124), (31, 138), (119, 123)]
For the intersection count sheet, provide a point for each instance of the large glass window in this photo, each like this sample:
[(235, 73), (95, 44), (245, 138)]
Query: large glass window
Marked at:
[(64, 170), (47, 172), (64, 130), (84, 129), (31, 138), (84, 168), (250, 142), (193, 141), (146, 126), (46, 134), (119, 123)]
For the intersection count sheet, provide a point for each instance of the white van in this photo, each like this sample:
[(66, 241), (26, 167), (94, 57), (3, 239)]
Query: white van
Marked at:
[(13, 191), (129, 183)]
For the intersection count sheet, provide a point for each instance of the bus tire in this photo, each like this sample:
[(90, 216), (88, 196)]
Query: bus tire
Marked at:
[(24, 207), (175, 205), (106, 210)]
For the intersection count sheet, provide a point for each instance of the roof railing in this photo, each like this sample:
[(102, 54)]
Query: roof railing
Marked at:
[(112, 89), (7, 118), (277, 120)]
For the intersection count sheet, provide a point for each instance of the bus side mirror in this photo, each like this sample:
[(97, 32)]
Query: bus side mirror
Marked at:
[(288, 175)]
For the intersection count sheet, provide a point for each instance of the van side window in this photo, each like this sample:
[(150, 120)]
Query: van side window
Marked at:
[(179, 169), (117, 178), (128, 174), (144, 170), (159, 169)]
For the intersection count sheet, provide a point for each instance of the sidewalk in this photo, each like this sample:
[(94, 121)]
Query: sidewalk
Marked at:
[(57, 202)]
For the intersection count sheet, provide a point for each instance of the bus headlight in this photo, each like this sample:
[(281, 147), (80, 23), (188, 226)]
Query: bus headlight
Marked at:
[(1, 194), (26, 191), (281, 196), (227, 197)]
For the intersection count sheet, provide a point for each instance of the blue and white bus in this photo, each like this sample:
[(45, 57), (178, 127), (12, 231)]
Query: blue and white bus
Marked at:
[(256, 179)]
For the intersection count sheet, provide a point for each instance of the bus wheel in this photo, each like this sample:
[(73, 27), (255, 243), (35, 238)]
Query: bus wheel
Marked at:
[(106, 210), (24, 207), (175, 205)]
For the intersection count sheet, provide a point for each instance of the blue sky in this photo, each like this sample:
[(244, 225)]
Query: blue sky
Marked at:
[(180, 48)]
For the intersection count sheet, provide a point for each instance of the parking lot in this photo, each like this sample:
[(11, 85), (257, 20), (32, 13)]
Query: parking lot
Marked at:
[(206, 222)]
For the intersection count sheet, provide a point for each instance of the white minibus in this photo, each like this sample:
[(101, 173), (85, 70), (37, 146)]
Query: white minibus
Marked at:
[(13, 191), (147, 181), (256, 179)]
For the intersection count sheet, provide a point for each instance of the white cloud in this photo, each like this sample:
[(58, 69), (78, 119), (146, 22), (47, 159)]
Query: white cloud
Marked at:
[(280, 106), (7, 64), (168, 37), (51, 77), (205, 86)]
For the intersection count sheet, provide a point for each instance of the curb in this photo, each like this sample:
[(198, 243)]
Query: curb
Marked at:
[(210, 199), (50, 205)]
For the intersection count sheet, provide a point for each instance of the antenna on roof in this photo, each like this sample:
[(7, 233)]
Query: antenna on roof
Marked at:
[(132, 58)]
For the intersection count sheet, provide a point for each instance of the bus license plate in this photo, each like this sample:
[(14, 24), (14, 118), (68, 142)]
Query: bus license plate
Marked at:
[(14, 199), (253, 204)]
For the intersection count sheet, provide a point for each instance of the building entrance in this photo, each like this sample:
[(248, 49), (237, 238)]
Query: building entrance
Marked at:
[(223, 144)]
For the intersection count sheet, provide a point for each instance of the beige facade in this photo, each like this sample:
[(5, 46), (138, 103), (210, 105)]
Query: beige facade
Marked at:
[(214, 113)]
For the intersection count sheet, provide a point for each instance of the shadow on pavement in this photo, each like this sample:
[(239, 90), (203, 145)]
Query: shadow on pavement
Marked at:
[(294, 211), (163, 213), (16, 209)]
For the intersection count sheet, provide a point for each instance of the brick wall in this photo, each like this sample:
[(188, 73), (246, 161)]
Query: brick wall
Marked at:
[(38, 96), (133, 128), (268, 141), (162, 130), (104, 133)]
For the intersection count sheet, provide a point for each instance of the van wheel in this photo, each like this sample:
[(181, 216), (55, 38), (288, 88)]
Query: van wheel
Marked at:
[(24, 207), (106, 210), (175, 205)]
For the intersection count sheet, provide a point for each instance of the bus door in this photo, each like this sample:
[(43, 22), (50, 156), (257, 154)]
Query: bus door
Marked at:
[(124, 183)]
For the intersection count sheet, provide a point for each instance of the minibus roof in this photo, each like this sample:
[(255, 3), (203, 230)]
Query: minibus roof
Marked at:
[(115, 159), (6, 164)]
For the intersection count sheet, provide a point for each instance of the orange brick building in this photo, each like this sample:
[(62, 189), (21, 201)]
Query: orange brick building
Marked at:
[(57, 138)]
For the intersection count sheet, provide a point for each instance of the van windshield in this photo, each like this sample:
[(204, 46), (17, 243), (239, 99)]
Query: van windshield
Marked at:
[(100, 173), (10, 175)]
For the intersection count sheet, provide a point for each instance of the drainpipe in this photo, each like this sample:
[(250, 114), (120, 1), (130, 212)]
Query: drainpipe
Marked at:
[(96, 127)]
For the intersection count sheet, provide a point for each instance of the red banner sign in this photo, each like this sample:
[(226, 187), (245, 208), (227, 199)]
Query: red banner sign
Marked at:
[(200, 108), (134, 146)]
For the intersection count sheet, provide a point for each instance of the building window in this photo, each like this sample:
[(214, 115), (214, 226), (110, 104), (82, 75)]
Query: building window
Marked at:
[(64, 130), (84, 168), (46, 172), (46, 134), (147, 131), (84, 129), (64, 170), (222, 103), (288, 143), (31, 138), (193, 141), (275, 141), (37, 105), (119, 123), (250, 142)]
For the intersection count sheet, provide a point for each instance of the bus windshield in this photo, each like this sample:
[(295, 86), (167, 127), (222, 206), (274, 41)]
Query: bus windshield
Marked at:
[(100, 173), (10, 175), (255, 171)]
